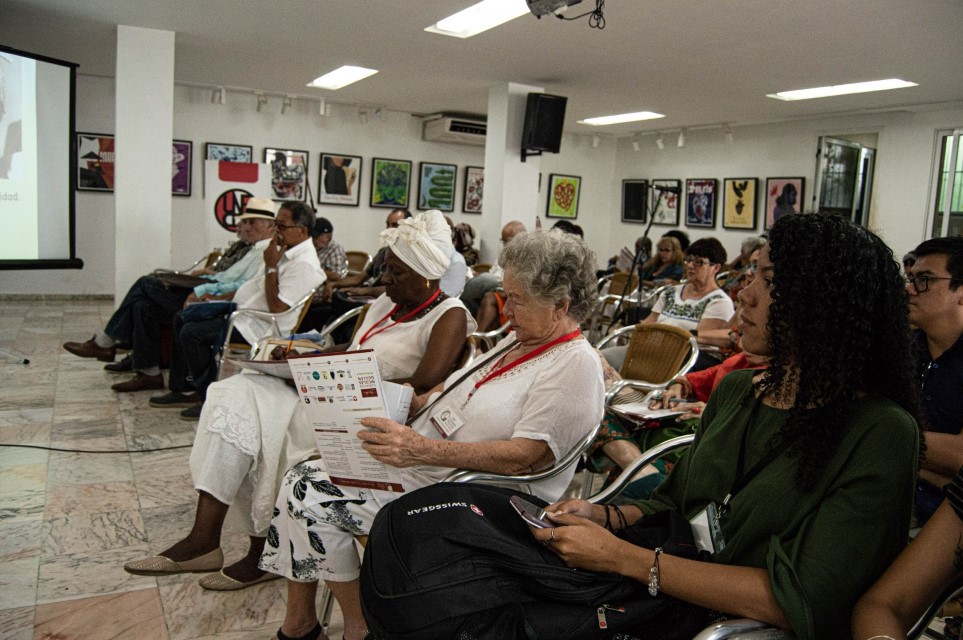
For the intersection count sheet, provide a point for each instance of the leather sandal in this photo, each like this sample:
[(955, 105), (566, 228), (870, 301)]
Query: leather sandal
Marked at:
[(313, 634), (220, 581), (163, 566)]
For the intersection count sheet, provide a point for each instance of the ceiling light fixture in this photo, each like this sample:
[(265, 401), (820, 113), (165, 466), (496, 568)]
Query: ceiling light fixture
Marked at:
[(660, 142), (681, 141), (620, 118), (286, 104), (479, 17), (261, 100), (341, 77), (842, 89)]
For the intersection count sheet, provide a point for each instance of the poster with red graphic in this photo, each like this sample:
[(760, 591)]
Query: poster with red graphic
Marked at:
[(227, 186)]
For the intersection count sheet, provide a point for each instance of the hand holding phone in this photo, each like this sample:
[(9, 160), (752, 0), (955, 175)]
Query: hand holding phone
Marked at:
[(534, 516)]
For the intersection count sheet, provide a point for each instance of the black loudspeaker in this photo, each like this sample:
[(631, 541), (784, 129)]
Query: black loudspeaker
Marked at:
[(544, 119), (634, 197)]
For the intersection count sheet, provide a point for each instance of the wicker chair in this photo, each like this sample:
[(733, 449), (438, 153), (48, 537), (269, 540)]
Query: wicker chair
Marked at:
[(358, 261)]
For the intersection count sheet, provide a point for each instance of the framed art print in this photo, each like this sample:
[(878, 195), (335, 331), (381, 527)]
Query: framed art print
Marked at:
[(739, 203), (289, 173), (563, 194), (700, 202), (95, 162), (474, 189), (665, 210), (228, 152), (436, 186), (181, 167), (635, 198), (390, 182), (783, 197), (340, 179)]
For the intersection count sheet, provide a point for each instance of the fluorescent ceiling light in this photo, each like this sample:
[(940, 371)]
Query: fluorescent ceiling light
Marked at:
[(479, 17), (342, 77), (622, 117), (842, 89)]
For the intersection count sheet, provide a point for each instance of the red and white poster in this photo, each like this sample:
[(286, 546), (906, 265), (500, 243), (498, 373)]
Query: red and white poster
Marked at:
[(227, 186)]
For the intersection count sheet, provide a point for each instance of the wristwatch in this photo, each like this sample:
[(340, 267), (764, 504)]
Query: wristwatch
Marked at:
[(270, 270)]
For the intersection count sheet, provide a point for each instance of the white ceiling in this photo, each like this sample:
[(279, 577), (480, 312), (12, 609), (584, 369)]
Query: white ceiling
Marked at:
[(700, 62)]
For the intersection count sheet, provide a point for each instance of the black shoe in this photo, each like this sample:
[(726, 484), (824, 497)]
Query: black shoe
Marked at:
[(191, 414), (174, 399), (126, 365)]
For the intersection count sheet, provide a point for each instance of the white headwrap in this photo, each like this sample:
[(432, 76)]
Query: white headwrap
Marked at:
[(423, 243)]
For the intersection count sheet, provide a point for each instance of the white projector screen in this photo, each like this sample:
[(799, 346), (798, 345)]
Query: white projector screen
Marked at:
[(37, 156)]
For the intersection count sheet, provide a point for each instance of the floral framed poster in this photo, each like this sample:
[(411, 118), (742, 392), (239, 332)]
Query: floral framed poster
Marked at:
[(783, 197), (474, 189), (182, 151), (339, 181), (436, 186), (390, 183), (95, 162), (700, 202), (635, 198), (563, 192), (665, 210), (739, 203), (228, 152), (289, 173)]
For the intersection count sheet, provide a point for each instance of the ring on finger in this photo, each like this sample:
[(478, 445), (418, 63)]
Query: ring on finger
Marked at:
[(553, 534)]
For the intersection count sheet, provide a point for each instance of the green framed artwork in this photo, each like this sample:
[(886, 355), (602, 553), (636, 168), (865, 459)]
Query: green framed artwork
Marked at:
[(390, 183), (436, 186), (563, 192)]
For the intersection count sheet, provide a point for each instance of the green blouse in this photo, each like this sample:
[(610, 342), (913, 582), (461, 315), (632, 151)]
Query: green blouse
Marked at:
[(822, 548)]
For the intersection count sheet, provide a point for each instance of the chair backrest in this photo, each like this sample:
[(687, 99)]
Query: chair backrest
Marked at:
[(482, 267), (617, 285), (213, 258), (656, 353), (358, 261)]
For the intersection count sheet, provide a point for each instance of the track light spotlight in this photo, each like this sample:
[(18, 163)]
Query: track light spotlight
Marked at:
[(323, 107), (660, 142), (218, 96), (363, 116), (595, 142), (261, 100), (636, 146), (728, 134), (681, 142), (286, 104)]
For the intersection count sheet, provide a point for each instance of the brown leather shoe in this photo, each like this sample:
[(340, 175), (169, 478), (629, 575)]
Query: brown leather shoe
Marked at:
[(140, 382), (91, 349)]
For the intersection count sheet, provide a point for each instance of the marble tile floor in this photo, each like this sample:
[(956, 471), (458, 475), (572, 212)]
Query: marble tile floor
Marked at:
[(69, 521)]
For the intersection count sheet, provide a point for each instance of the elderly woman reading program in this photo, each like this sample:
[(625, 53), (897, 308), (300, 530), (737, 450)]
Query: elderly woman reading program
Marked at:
[(527, 404), (252, 428)]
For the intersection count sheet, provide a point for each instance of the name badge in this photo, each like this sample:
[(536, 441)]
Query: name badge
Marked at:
[(707, 531), (446, 421)]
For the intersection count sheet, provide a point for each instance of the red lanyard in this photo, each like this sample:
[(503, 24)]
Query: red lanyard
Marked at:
[(422, 307), (525, 358)]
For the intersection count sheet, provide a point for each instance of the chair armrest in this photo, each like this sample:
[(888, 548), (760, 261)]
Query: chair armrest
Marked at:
[(647, 457), (489, 338), (641, 385), (175, 271), (329, 328), (612, 336), (257, 313), (743, 629)]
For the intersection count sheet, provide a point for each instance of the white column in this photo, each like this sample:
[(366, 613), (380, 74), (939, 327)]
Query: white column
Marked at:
[(511, 186), (144, 130)]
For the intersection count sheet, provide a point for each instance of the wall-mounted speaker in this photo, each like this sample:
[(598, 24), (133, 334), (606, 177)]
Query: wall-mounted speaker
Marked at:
[(544, 119)]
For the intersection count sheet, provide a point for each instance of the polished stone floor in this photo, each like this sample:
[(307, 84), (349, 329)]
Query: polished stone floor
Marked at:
[(69, 521)]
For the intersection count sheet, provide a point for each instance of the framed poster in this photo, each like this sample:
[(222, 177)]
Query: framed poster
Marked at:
[(635, 198), (739, 203), (436, 186), (289, 173), (390, 183), (339, 181), (181, 167), (563, 196), (665, 210), (783, 196), (228, 152), (95, 162), (474, 189), (700, 202)]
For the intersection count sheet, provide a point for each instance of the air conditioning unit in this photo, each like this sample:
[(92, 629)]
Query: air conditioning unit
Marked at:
[(454, 129)]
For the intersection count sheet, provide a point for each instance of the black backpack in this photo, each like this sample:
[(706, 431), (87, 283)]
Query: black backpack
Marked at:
[(456, 561)]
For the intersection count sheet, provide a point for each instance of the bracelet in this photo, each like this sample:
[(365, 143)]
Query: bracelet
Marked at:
[(623, 523), (608, 522), (881, 638), (270, 270), (654, 575)]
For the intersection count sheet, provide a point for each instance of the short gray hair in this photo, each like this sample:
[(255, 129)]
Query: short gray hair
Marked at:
[(554, 267)]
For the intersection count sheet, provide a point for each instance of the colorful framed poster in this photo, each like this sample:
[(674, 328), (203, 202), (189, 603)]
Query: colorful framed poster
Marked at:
[(563, 194), (390, 183), (182, 151), (289, 173), (228, 152), (436, 186), (665, 210), (739, 203), (783, 197), (339, 181), (700, 202), (635, 198), (95, 162), (474, 189)]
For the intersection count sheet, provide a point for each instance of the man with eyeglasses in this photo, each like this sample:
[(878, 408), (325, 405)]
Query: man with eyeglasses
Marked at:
[(935, 288)]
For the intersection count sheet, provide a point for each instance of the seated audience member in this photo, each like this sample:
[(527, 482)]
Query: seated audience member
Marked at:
[(569, 227), (811, 461), (520, 410), (150, 302), (453, 282), (330, 254), (241, 451), (463, 237), (697, 306), (667, 266), (291, 270), (477, 287), (915, 580), (735, 280), (369, 282), (935, 288), (679, 235)]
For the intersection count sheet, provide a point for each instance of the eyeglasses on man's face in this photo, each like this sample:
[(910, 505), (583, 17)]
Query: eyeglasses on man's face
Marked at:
[(284, 227), (922, 282), (697, 261)]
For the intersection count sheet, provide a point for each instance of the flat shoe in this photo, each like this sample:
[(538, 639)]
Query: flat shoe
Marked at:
[(124, 365), (174, 399), (192, 413), (140, 382), (313, 634), (220, 581), (91, 349), (161, 566)]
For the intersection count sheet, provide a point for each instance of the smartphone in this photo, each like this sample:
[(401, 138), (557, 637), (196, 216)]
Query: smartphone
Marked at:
[(535, 516)]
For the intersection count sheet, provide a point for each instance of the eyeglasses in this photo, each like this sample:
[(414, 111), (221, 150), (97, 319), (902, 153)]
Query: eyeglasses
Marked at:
[(752, 268), (285, 227), (922, 282), (699, 262)]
